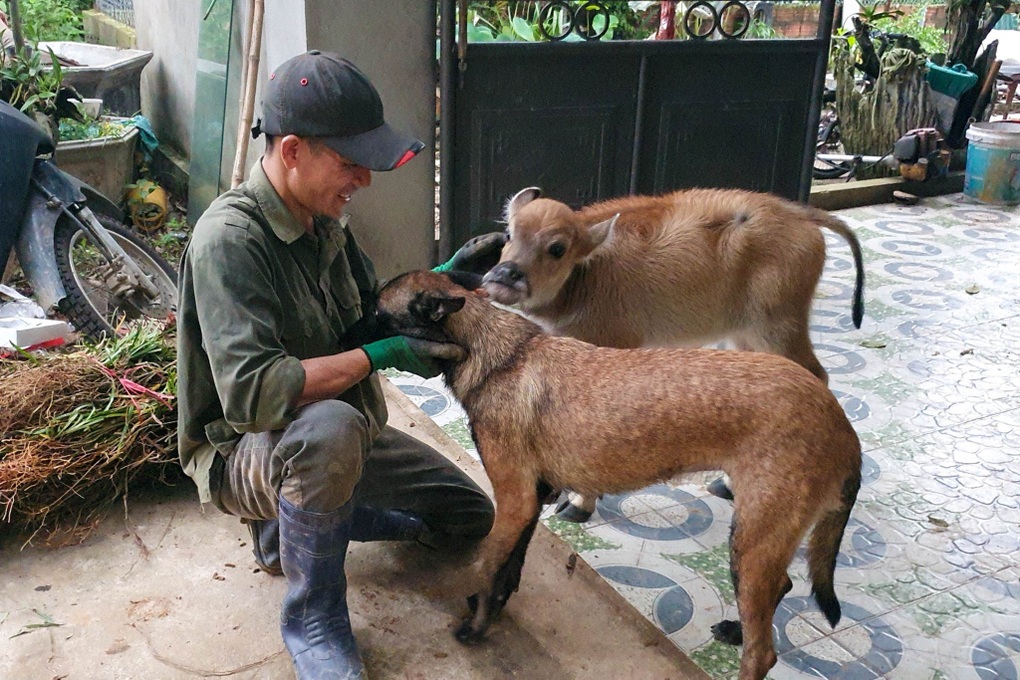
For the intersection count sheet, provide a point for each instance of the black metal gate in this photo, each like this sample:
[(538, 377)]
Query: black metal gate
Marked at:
[(592, 120)]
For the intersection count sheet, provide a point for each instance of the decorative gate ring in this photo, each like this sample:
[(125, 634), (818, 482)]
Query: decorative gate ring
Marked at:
[(689, 16), (546, 14), (742, 11), (576, 18), (589, 11)]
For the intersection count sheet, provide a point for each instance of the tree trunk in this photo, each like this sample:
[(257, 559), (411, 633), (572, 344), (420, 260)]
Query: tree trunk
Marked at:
[(870, 122), (969, 22)]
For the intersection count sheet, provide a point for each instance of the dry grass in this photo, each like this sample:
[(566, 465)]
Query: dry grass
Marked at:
[(76, 428)]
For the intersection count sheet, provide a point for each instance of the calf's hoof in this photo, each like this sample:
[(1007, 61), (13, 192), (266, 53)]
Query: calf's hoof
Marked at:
[(569, 512), (467, 635), (728, 632), (720, 489)]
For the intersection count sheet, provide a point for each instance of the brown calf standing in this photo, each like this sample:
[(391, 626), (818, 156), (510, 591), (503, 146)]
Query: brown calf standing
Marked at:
[(549, 413), (681, 269)]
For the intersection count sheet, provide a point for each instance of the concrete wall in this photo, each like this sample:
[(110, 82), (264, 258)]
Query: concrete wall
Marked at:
[(283, 37), (170, 31), (104, 30), (394, 44)]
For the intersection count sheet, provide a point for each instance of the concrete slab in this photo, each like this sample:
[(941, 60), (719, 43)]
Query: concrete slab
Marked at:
[(169, 592)]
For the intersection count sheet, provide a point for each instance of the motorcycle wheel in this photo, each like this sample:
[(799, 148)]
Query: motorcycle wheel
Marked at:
[(90, 306)]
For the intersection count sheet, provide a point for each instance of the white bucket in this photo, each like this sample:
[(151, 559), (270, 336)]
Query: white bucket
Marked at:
[(993, 162)]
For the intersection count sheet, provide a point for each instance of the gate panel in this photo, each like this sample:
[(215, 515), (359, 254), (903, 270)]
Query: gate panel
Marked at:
[(589, 121), (727, 114), (526, 117)]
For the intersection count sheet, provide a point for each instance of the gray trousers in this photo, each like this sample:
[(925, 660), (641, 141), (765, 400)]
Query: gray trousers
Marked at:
[(324, 459)]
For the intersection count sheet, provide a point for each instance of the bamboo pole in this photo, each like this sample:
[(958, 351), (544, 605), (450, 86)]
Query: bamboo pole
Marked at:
[(250, 79)]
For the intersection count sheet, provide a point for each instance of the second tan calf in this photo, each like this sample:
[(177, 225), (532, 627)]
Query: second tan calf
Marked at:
[(548, 413), (681, 269)]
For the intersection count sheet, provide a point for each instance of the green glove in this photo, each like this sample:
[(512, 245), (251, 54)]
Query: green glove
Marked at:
[(411, 355), (478, 255)]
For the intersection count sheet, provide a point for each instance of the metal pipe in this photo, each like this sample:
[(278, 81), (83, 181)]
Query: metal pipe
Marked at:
[(827, 12), (639, 114), (850, 158), (447, 76)]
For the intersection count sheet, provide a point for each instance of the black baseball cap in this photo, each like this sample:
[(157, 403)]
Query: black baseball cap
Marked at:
[(322, 95)]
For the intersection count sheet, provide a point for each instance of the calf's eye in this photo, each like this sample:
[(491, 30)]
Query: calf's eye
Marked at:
[(557, 250)]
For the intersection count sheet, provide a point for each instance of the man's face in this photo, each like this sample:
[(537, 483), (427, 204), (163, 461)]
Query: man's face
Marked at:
[(325, 181)]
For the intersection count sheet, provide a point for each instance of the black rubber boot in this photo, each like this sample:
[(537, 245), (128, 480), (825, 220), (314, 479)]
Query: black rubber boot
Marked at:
[(265, 538), (315, 622), (372, 524), (367, 524)]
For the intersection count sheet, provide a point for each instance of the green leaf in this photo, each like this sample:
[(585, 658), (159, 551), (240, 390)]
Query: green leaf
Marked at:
[(29, 103), (479, 34), (523, 29), (48, 622)]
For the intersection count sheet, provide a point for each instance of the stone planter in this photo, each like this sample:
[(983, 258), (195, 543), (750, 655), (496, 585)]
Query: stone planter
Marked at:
[(106, 163), (112, 74)]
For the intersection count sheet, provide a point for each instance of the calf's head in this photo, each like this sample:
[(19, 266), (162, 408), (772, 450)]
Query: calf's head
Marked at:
[(417, 303), (547, 240)]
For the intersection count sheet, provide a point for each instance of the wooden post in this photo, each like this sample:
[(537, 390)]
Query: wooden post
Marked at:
[(249, 79)]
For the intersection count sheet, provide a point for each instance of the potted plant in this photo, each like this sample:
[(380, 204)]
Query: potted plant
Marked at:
[(96, 149), (99, 150), (32, 87)]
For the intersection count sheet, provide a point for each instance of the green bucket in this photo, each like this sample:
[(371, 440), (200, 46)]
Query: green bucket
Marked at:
[(993, 163)]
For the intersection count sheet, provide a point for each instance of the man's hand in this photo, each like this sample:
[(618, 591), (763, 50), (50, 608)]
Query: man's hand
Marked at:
[(412, 355), (478, 255)]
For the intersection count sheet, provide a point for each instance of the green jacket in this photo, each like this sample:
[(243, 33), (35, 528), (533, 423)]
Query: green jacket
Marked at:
[(258, 294)]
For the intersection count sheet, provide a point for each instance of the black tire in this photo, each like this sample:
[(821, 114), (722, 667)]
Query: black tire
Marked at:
[(86, 306), (828, 142), (824, 169)]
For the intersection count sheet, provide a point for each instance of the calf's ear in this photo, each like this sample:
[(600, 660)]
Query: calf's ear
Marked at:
[(520, 199), (601, 233), (435, 307)]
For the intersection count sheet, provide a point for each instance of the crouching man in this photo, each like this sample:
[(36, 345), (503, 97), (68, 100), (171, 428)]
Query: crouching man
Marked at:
[(283, 421)]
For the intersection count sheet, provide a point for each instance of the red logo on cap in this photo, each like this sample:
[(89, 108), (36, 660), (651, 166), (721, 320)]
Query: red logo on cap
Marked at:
[(408, 155), (272, 75), (304, 81)]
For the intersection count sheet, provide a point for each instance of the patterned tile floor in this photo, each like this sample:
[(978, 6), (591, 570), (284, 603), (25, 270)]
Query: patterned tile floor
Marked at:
[(929, 574)]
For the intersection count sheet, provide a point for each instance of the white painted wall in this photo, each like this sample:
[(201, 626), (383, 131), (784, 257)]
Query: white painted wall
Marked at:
[(393, 42), (170, 31)]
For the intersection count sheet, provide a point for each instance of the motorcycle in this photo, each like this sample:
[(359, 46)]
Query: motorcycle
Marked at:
[(75, 252)]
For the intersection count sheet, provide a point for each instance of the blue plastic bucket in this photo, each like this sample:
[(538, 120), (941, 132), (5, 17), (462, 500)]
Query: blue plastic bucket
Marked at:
[(993, 162)]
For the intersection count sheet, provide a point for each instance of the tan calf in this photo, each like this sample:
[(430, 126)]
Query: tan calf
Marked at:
[(549, 413), (682, 269)]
